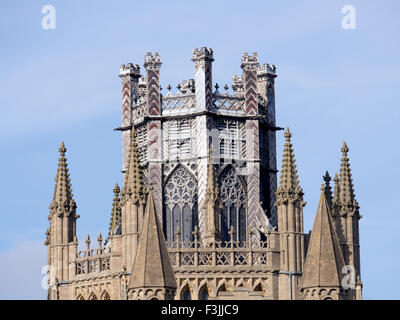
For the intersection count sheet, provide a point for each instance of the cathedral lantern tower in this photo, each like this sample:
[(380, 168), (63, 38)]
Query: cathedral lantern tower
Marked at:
[(175, 130), (199, 215)]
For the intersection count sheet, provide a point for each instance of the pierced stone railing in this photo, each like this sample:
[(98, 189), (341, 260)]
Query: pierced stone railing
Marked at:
[(178, 102), (92, 261), (218, 254), (227, 102)]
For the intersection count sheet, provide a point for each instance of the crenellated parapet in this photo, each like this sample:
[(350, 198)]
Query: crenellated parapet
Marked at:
[(202, 57)]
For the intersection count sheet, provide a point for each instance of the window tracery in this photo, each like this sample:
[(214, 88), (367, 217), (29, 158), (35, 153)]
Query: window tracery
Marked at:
[(233, 198), (180, 205)]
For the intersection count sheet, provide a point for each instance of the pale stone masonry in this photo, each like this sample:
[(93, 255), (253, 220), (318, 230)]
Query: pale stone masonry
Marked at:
[(200, 215)]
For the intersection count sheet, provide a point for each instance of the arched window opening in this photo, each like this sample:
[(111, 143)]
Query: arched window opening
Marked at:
[(186, 294), (180, 205), (223, 288), (204, 293), (233, 198)]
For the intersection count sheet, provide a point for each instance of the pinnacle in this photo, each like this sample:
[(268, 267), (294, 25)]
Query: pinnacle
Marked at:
[(336, 190), (62, 196), (116, 210), (133, 187), (344, 148), (327, 188), (287, 134), (346, 191), (289, 179)]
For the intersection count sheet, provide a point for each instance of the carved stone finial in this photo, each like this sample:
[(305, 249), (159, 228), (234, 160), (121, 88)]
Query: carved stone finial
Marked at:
[(88, 242), (100, 240)]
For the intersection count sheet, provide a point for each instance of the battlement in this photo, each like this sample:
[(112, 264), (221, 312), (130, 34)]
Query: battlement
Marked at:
[(129, 69), (203, 53), (152, 61), (237, 83), (249, 59), (266, 69)]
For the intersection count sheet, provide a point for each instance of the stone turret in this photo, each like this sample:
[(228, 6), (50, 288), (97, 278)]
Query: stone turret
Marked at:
[(152, 63), (130, 75), (289, 202), (61, 236)]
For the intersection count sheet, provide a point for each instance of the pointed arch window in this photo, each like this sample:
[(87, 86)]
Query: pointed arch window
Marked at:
[(233, 198), (180, 210), (185, 293), (204, 293)]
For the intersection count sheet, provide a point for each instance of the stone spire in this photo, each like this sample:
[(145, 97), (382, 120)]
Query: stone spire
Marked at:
[(133, 180), (152, 274), (212, 203), (289, 184), (327, 189), (116, 210), (324, 260), (63, 201), (346, 193)]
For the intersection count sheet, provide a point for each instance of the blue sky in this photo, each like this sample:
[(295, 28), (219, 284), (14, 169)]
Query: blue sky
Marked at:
[(62, 85)]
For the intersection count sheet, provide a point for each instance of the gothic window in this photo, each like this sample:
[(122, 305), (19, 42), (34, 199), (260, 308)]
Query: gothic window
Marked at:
[(204, 293), (230, 141), (179, 138), (180, 205), (233, 198), (185, 293)]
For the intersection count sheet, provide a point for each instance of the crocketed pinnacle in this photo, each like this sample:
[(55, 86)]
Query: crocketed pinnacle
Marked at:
[(289, 182), (63, 200), (133, 181), (116, 210), (327, 188), (336, 191), (346, 191)]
